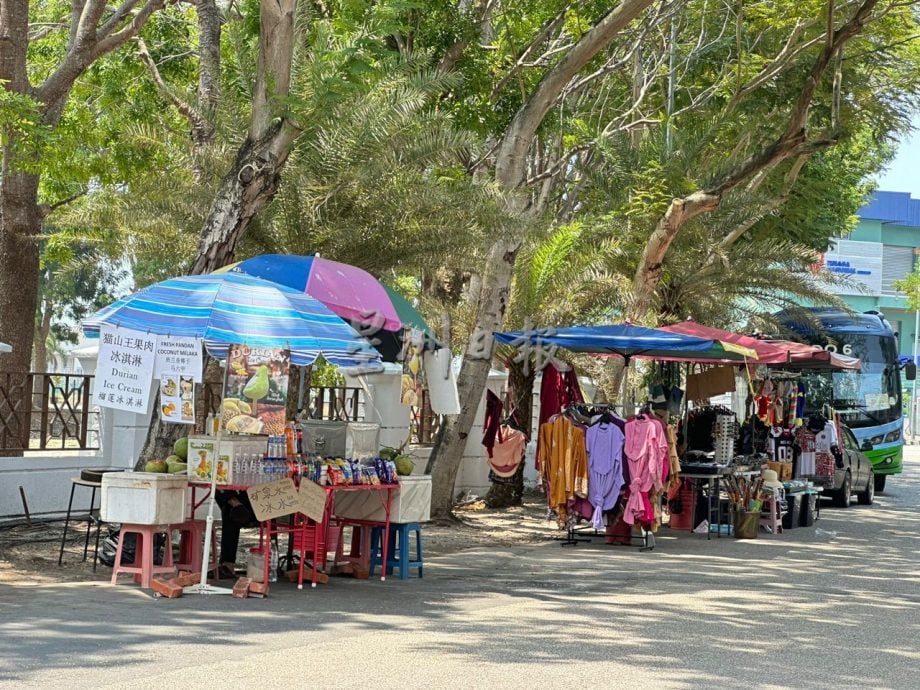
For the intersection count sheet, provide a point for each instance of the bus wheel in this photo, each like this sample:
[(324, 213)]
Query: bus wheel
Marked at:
[(880, 483)]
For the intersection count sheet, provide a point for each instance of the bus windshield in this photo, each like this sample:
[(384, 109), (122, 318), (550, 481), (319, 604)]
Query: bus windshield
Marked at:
[(868, 397)]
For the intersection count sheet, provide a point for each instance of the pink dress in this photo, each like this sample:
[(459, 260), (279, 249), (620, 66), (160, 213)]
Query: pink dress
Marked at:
[(646, 451)]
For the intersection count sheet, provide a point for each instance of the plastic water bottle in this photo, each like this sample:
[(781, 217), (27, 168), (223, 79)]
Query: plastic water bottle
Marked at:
[(273, 562)]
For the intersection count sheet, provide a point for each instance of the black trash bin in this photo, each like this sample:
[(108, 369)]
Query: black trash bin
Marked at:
[(793, 510), (808, 513)]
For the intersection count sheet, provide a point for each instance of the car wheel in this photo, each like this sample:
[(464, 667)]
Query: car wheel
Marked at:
[(842, 497), (879, 482), (866, 497)]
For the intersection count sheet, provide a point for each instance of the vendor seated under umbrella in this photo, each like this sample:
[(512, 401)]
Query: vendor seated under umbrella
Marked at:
[(236, 513)]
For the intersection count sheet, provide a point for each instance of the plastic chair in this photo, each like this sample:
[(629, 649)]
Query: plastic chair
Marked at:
[(143, 567)]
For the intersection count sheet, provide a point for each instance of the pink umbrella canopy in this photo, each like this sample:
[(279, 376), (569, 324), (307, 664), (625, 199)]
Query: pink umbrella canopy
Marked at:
[(350, 292)]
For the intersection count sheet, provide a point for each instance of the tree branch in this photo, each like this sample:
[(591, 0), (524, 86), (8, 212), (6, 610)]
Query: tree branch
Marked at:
[(791, 142), (276, 51), (86, 45), (510, 165), (548, 27), (47, 209), (186, 109)]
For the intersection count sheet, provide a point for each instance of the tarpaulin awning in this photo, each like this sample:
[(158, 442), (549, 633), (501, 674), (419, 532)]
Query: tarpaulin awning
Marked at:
[(627, 341), (783, 352)]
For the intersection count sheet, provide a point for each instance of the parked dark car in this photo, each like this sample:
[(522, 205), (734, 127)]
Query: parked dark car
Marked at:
[(855, 477)]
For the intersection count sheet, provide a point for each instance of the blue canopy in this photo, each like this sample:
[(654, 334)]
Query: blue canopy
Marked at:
[(229, 308), (624, 340)]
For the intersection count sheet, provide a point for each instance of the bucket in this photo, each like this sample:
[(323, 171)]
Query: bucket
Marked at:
[(255, 565), (747, 525)]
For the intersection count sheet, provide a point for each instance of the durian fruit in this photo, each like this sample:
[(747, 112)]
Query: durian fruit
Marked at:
[(238, 424), (229, 410), (244, 407), (254, 426)]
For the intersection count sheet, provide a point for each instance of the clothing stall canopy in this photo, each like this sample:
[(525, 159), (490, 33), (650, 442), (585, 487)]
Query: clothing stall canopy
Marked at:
[(629, 341), (785, 352)]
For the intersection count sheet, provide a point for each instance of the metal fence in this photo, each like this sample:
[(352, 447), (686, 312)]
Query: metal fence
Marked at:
[(424, 424), (341, 403), (40, 411)]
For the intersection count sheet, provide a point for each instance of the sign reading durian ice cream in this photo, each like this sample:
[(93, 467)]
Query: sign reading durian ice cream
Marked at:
[(256, 392)]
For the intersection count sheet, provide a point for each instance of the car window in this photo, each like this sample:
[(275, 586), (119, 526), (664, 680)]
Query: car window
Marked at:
[(849, 440)]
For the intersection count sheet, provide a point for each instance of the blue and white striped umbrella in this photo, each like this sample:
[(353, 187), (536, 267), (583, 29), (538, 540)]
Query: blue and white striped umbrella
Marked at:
[(229, 308)]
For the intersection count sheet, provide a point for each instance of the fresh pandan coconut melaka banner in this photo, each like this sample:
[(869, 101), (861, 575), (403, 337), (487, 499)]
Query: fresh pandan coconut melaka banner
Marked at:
[(256, 392)]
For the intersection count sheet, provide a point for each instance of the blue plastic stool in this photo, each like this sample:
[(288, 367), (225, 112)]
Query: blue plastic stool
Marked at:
[(400, 555)]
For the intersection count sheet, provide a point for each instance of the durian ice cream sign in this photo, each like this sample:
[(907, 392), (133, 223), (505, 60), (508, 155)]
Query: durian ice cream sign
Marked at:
[(124, 369), (256, 394)]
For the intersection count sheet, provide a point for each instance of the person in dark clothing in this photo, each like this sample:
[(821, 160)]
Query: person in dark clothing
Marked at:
[(235, 514)]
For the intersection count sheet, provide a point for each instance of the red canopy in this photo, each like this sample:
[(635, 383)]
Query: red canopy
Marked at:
[(767, 353), (782, 352)]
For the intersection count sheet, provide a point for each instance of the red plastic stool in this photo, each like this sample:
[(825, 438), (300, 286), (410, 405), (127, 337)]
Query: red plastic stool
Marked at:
[(191, 546), (143, 568)]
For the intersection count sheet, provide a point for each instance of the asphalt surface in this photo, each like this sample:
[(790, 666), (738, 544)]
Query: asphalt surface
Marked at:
[(824, 607)]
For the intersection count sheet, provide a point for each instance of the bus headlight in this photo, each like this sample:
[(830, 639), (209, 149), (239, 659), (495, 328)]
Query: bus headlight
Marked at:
[(875, 440), (892, 436)]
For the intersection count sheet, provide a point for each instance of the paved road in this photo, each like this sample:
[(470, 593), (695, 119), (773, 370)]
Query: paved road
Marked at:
[(805, 610)]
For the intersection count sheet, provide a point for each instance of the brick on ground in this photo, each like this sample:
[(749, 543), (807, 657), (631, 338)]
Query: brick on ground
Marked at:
[(166, 588), (241, 588)]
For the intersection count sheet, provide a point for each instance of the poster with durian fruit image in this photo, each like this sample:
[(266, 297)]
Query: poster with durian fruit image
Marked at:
[(256, 393), (413, 377)]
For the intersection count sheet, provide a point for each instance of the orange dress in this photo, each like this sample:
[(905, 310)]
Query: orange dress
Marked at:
[(564, 456)]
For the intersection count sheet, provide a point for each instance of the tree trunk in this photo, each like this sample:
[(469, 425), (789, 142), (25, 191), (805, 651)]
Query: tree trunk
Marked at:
[(246, 188), (208, 70), (20, 222), (648, 272), (161, 436), (447, 454), (510, 174), (521, 387), (41, 338)]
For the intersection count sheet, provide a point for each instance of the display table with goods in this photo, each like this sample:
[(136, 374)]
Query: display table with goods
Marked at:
[(296, 495)]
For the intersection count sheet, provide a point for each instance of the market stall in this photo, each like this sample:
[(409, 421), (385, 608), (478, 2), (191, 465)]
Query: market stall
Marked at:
[(288, 471), (676, 456), (613, 469)]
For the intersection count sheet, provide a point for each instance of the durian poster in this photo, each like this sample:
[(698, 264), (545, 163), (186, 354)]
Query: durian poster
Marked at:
[(257, 386)]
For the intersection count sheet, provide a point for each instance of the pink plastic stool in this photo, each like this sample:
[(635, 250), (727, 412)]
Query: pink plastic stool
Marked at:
[(191, 546), (771, 517), (143, 568)]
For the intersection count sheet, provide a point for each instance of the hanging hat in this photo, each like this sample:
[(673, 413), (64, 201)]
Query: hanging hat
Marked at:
[(816, 423), (771, 479)]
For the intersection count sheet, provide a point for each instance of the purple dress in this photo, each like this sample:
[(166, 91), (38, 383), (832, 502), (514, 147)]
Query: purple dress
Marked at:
[(605, 471)]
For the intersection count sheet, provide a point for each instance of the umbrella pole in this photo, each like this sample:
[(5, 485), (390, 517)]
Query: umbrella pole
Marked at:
[(203, 587), (624, 386)]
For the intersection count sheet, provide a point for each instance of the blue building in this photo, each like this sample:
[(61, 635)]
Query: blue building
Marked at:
[(882, 249)]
